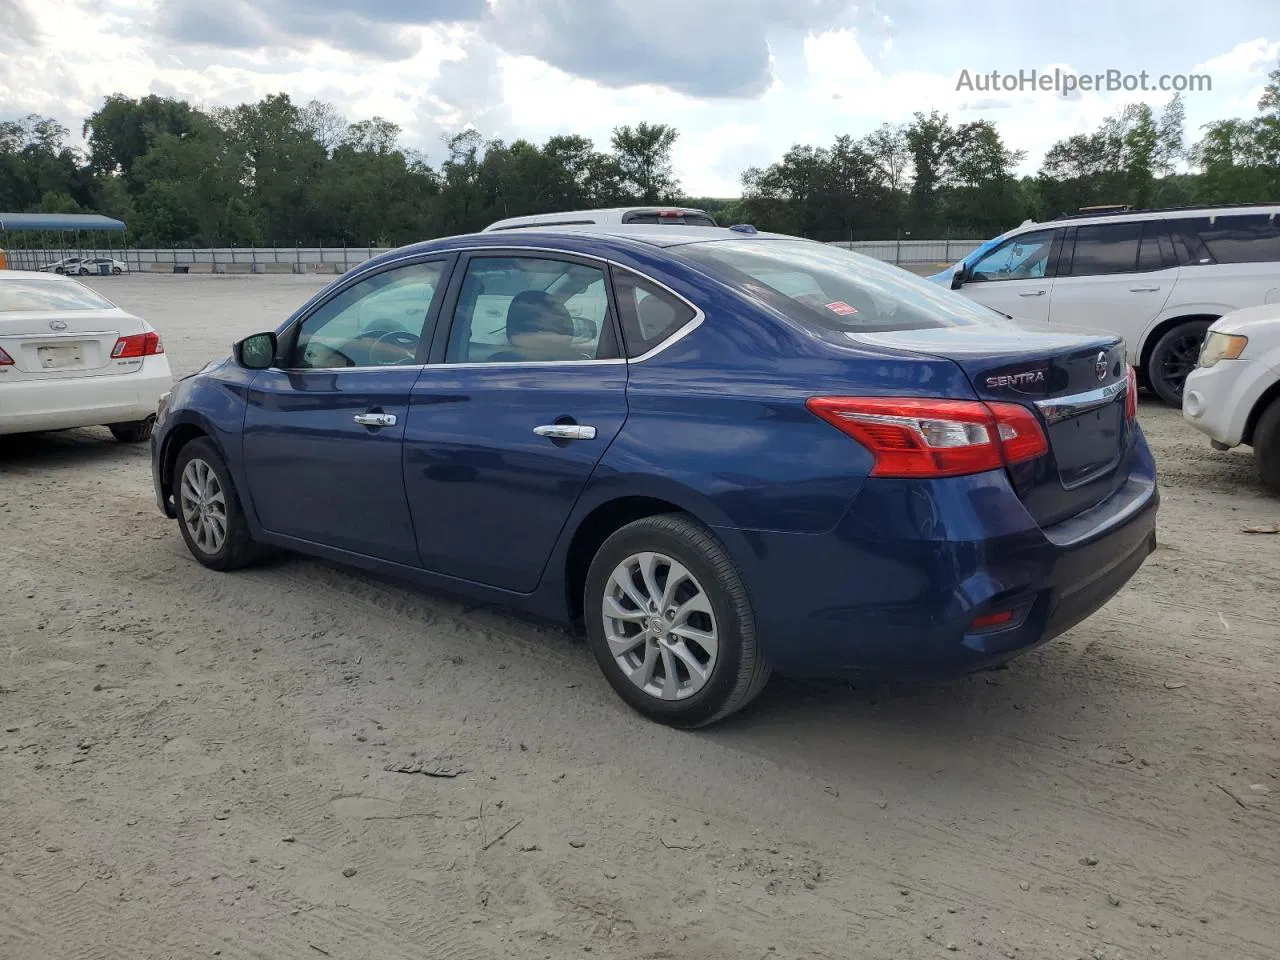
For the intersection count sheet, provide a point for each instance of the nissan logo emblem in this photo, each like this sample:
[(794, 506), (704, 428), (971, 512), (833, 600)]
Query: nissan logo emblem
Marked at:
[(1100, 366), (57, 324)]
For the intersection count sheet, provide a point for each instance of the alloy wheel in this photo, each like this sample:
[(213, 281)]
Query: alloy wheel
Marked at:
[(204, 506), (660, 626)]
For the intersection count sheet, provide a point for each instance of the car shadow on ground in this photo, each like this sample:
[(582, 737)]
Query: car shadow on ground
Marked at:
[(65, 448)]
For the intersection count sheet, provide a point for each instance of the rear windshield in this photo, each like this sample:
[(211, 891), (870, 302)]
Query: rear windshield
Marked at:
[(21, 295), (837, 289), (671, 219)]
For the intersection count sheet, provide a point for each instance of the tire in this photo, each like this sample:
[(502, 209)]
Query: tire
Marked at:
[(136, 431), (236, 548), (1266, 446), (731, 677), (1173, 357), (116, 271)]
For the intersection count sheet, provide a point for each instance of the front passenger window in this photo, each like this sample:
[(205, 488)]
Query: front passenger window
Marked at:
[(380, 321), (1024, 257)]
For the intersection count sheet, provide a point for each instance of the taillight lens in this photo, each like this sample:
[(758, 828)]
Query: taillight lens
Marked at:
[(5, 359), (1131, 395), (913, 437), (137, 345)]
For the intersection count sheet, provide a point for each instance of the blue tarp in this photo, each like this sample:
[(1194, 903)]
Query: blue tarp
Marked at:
[(55, 222)]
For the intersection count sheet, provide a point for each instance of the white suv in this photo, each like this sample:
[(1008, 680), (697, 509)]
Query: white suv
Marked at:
[(1233, 395), (1158, 278)]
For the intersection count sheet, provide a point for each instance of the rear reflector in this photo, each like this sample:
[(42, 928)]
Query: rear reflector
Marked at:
[(988, 620), (137, 345), (1131, 396), (5, 359), (913, 437)]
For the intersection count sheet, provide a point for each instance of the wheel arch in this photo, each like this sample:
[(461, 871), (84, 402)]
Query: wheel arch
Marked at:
[(175, 438), (1270, 395)]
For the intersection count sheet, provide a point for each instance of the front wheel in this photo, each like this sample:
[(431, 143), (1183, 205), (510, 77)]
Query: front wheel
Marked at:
[(209, 512), (1173, 357), (1266, 446), (116, 271), (670, 623)]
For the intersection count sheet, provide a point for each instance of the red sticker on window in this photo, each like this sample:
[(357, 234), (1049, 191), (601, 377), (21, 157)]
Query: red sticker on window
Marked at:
[(841, 308)]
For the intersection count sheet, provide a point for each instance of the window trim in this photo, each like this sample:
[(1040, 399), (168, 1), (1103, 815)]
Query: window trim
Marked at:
[(287, 340)]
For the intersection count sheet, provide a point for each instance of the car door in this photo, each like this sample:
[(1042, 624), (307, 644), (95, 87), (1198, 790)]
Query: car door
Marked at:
[(1016, 277), (506, 428), (1113, 278), (324, 432)]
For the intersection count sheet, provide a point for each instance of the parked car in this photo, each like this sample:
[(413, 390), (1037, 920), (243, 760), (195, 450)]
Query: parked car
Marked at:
[(101, 266), (1233, 395), (69, 357), (1158, 278), (724, 454), (613, 216), (69, 265)]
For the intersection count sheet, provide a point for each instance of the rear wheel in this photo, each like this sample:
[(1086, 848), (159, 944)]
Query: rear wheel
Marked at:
[(115, 271), (1266, 446), (209, 513), (670, 623), (136, 431), (1173, 357)]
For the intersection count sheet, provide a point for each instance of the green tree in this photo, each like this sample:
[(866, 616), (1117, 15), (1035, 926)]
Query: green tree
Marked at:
[(643, 154)]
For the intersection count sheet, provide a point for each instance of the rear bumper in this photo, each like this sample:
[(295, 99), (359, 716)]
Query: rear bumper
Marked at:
[(896, 586), (28, 406), (1217, 401)]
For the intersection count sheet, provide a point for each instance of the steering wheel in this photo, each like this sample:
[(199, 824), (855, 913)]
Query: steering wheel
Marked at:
[(399, 338)]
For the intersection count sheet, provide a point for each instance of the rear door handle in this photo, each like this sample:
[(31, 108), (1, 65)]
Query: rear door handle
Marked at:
[(375, 419), (1031, 293), (1143, 289), (566, 431)]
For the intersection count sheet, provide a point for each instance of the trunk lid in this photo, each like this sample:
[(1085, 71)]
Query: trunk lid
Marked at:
[(52, 345), (1075, 382)]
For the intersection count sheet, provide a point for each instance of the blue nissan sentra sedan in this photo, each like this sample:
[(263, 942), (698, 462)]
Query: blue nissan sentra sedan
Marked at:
[(724, 453)]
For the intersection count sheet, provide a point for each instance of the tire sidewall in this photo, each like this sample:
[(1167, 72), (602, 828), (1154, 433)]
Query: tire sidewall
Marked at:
[(707, 702), (1155, 377), (1266, 446), (204, 450)]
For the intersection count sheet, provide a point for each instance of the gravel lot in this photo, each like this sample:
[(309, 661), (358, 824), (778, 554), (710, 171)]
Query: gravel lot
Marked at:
[(192, 764)]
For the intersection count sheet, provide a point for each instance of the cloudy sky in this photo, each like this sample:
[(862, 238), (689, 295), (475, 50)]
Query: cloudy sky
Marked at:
[(741, 79)]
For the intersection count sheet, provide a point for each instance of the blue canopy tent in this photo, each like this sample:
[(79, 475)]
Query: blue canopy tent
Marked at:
[(61, 224)]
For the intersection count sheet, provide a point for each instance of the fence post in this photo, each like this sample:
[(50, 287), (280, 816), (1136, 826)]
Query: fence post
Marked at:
[(344, 255), (233, 252), (297, 254), (897, 255)]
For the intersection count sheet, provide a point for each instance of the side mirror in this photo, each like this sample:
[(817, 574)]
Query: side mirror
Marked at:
[(257, 352), (957, 277)]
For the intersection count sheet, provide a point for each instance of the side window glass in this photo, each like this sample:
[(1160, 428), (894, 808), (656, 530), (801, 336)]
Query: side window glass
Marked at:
[(1155, 252), (1186, 240), (530, 310), (1106, 248), (1253, 238), (648, 313), (380, 321), (1025, 257)]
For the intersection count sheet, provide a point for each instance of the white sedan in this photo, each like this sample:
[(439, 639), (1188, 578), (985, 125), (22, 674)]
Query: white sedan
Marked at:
[(1233, 395), (71, 358)]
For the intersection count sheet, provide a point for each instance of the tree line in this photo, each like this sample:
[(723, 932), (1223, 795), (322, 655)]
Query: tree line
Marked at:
[(275, 173)]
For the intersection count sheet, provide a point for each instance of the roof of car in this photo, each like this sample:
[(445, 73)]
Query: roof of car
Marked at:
[(34, 275)]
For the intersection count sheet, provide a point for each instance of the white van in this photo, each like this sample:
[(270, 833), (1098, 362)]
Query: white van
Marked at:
[(1158, 278), (612, 216)]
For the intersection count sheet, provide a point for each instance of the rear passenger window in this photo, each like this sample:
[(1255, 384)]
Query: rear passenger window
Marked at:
[(1253, 238), (1156, 251), (1106, 248), (649, 314)]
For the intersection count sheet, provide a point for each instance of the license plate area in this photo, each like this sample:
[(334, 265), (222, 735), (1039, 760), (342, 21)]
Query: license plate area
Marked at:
[(65, 356), (1088, 445)]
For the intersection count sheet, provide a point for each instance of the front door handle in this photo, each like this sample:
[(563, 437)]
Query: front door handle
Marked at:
[(1031, 293), (1143, 289), (375, 419), (566, 431)]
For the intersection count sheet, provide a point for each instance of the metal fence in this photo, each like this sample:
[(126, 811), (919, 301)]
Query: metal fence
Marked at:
[(340, 259)]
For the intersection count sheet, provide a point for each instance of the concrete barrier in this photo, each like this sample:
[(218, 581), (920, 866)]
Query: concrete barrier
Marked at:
[(233, 268), (273, 268)]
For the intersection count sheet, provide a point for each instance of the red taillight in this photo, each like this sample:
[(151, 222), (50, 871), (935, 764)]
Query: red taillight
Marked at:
[(137, 345), (5, 359), (1131, 396), (912, 437)]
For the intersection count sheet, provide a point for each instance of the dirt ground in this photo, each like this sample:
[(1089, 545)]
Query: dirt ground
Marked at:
[(193, 764)]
